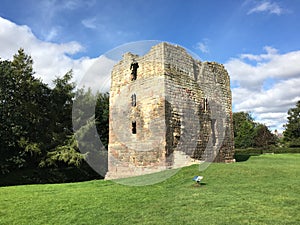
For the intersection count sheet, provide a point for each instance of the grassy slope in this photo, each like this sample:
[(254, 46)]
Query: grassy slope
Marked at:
[(263, 190)]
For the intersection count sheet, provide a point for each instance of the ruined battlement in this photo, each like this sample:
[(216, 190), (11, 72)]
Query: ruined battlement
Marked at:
[(166, 110)]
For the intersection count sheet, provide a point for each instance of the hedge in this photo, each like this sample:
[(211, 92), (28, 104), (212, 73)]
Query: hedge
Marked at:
[(257, 151)]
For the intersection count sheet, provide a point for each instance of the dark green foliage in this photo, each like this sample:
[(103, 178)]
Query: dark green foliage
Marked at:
[(36, 120), (91, 110), (245, 153), (23, 101), (292, 128), (248, 133), (243, 127), (61, 146), (49, 175), (286, 150), (90, 122), (102, 117), (251, 151), (263, 137)]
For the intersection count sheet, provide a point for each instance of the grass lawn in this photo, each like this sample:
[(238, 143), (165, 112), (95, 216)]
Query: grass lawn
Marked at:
[(263, 190)]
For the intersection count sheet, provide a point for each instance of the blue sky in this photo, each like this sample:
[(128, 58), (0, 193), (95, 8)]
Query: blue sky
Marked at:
[(257, 41), (226, 28)]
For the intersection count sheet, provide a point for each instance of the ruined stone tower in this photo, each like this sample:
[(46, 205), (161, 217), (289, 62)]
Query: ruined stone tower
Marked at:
[(166, 110)]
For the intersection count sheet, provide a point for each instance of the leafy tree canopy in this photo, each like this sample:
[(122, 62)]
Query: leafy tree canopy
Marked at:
[(36, 120), (248, 133)]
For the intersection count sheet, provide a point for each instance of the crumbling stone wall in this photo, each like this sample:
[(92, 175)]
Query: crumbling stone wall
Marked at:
[(181, 111)]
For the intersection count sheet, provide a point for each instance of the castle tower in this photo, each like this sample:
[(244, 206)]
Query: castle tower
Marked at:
[(166, 110)]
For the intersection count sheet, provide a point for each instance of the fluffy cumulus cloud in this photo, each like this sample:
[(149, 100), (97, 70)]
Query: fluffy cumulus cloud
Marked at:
[(266, 85), (50, 59)]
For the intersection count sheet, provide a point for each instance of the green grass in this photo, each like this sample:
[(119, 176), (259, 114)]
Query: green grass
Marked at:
[(263, 190)]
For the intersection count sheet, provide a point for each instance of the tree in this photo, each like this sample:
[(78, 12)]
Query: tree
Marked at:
[(61, 102), (292, 128), (36, 121), (23, 101), (92, 107), (61, 147), (7, 104), (248, 133), (90, 123), (263, 136), (243, 127), (102, 117)]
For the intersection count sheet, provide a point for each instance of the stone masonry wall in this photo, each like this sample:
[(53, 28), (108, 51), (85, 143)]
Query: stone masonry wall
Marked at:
[(144, 152), (215, 83), (216, 119), (182, 112), (188, 132)]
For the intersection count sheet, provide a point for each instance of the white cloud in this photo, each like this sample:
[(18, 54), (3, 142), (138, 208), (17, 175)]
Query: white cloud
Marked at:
[(50, 59), (271, 53), (269, 65), (267, 6), (89, 23), (97, 77), (270, 105), (51, 34), (203, 46)]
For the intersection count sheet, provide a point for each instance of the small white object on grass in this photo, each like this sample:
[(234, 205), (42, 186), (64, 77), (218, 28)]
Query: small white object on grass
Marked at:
[(198, 179)]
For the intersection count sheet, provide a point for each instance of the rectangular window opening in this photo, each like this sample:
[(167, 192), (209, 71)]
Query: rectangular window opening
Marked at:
[(133, 67), (133, 127), (213, 131), (133, 100)]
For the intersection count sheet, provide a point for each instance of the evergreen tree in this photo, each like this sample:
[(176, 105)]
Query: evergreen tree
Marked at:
[(102, 117), (292, 128), (243, 127), (36, 121), (23, 104), (61, 147)]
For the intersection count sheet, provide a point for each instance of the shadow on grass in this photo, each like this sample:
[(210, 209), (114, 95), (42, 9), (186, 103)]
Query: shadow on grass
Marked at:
[(197, 185), (48, 176), (242, 157)]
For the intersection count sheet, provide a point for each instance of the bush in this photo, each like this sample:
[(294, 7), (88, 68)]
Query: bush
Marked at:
[(258, 151), (295, 143), (249, 151)]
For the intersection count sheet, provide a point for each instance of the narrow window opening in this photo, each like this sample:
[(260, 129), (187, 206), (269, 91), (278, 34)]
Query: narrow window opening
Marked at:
[(205, 104), (133, 67), (213, 131), (133, 100), (133, 127)]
